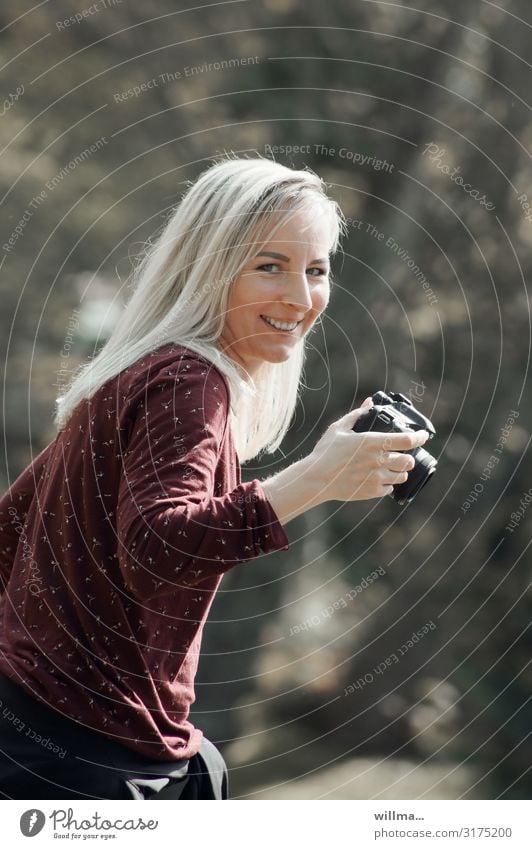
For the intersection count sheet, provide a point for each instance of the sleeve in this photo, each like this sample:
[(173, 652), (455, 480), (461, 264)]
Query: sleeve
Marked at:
[(14, 507), (173, 529)]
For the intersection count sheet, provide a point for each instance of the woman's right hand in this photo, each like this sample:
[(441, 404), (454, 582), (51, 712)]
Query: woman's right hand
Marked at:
[(349, 466), (344, 466)]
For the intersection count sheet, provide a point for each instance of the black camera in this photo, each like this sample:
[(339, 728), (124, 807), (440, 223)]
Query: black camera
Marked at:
[(395, 413)]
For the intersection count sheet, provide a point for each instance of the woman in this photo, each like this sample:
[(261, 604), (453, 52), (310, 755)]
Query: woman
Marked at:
[(114, 540)]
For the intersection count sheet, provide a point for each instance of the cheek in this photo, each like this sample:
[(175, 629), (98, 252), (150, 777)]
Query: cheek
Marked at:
[(245, 294), (236, 301), (320, 298)]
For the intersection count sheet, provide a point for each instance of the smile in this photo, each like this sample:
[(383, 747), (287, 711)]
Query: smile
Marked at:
[(280, 325)]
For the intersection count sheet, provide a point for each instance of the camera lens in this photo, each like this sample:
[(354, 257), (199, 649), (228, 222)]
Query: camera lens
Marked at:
[(417, 478)]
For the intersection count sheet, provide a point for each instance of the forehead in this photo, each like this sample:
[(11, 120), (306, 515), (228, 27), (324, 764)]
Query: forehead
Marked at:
[(302, 229)]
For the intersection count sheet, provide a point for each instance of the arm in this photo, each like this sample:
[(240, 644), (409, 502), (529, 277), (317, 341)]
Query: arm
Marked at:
[(173, 531), (14, 507)]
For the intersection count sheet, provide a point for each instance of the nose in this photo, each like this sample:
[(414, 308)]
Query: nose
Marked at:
[(297, 290)]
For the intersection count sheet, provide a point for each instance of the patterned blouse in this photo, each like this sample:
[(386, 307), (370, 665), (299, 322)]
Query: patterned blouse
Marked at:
[(113, 543)]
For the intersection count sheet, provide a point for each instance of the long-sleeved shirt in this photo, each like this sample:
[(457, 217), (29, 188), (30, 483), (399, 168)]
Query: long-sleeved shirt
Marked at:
[(113, 543)]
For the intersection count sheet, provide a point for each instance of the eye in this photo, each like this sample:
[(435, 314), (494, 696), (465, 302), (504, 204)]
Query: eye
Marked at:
[(321, 271), (268, 265)]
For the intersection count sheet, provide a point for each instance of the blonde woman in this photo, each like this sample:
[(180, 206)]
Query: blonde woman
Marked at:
[(114, 540)]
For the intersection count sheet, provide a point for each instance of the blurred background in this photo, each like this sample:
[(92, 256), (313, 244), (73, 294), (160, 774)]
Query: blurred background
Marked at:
[(387, 654)]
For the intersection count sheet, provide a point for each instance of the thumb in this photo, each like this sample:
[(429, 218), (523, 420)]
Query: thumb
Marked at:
[(350, 418)]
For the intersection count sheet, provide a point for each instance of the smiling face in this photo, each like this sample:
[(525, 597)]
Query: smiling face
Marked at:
[(279, 293)]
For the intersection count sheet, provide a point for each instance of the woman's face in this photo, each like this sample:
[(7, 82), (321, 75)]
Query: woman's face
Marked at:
[(287, 282)]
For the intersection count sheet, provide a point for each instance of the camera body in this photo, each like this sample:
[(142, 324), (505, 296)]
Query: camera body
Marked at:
[(394, 413)]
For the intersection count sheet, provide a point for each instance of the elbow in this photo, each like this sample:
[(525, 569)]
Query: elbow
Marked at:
[(151, 568)]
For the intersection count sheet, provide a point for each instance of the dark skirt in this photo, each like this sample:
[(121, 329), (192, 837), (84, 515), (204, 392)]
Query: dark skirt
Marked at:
[(44, 755)]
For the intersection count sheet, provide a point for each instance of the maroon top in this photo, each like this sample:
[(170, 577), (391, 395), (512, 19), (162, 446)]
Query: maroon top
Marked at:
[(113, 542)]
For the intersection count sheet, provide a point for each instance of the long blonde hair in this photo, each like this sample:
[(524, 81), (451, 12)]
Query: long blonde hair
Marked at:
[(182, 284)]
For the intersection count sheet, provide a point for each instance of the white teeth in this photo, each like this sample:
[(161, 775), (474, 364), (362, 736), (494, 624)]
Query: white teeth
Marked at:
[(280, 325)]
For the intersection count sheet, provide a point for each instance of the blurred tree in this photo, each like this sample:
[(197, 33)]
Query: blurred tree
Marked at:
[(90, 167)]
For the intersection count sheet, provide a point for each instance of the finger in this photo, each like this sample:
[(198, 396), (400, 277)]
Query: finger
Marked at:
[(396, 461), (352, 416), (398, 441), (392, 479)]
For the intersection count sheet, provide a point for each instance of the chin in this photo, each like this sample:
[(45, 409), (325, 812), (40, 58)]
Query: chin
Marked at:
[(279, 356)]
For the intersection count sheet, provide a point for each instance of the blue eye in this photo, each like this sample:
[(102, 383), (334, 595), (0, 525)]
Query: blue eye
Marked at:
[(321, 272), (268, 265)]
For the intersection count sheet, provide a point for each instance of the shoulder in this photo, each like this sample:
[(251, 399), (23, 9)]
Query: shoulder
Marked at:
[(181, 375), (177, 360)]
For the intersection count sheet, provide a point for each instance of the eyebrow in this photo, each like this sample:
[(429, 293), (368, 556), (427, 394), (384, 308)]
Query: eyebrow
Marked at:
[(286, 258)]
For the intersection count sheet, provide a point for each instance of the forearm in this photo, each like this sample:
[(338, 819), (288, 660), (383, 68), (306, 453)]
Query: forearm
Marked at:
[(294, 490)]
